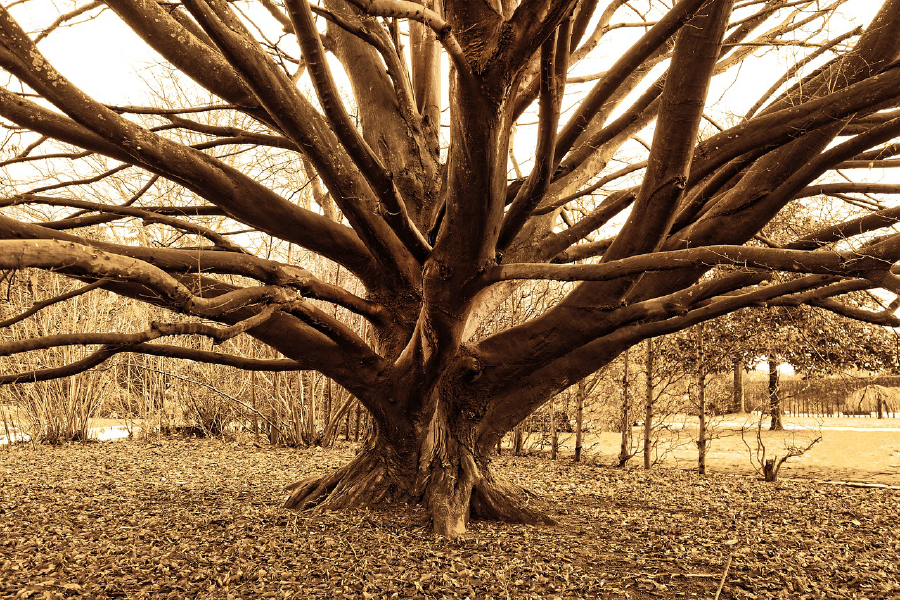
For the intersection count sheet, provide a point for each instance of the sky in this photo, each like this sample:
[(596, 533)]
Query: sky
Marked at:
[(102, 57), (106, 59)]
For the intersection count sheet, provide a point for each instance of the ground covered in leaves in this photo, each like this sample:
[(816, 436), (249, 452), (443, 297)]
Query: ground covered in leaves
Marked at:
[(201, 518)]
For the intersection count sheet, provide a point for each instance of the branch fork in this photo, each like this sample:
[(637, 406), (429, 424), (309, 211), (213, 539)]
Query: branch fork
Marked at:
[(402, 9)]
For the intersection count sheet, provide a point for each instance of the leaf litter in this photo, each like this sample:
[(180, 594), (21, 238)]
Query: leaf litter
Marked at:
[(202, 518)]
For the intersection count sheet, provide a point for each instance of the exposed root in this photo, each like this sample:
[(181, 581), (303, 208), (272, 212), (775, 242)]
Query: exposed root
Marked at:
[(494, 500), (367, 482), (361, 483)]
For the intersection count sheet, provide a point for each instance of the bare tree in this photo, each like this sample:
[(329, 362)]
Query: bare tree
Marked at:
[(796, 445), (415, 199)]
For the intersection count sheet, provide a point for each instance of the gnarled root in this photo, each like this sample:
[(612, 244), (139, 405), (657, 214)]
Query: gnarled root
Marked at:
[(361, 483), (496, 500), (451, 497)]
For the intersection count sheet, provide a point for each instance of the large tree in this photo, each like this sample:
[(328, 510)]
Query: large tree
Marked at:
[(400, 115)]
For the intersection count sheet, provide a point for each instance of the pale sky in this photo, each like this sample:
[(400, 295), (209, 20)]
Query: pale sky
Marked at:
[(104, 57)]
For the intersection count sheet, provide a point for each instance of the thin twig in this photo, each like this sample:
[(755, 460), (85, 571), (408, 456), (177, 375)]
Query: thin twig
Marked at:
[(213, 389), (724, 575)]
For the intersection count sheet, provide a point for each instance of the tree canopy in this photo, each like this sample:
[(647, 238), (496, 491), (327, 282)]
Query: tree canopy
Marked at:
[(378, 135)]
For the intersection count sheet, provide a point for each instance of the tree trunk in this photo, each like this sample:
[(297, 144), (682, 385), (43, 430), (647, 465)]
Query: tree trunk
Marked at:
[(517, 440), (579, 419), (625, 450), (701, 399), (554, 432), (438, 466), (648, 407), (737, 399), (329, 401), (308, 381), (774, 396), (701, 435), (253, 403)]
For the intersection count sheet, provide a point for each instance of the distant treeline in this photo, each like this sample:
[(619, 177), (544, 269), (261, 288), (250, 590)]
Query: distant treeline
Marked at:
[(827, 396)]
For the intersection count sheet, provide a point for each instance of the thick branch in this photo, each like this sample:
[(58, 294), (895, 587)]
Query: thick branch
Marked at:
[(829, 189), (402, 9), (623, 67), (554, 65), (192, 261), (79, 366), (379, 178), (797, 261), (90, 262)]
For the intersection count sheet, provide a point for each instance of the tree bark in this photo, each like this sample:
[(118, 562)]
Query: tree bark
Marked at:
[(518, 448), (625, 449), (579, 419), (737, 398), (648, 407), (438, 466), (702, 442), (774, 396)]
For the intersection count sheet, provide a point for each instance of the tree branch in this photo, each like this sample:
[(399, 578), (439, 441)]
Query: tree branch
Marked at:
[(777, 128), (883, 318), (90, 262), (193, 261), (829, 189), (403, 9), (148, 216), (637, 54), (242, 197), (114, 343), (219, 358), (38, 306), (796, 261), (697, 50), (612, 205), (554, 65), (79, 366), (379, 178), (299, 121), (180, 42)]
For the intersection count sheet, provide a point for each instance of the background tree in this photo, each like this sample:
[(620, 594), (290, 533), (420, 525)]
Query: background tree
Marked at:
[(812, 340), (412, 196)]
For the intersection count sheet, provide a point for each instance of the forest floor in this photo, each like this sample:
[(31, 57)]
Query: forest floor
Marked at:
[(180, 518)]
